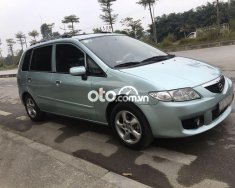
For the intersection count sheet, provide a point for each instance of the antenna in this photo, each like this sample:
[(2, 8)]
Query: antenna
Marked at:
[(40, 19)]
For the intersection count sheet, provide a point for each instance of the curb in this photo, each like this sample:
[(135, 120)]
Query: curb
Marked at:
[(80, 164), (8, 75)]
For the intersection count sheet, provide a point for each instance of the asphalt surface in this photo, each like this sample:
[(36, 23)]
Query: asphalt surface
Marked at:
[(222, 57), (206, 160)]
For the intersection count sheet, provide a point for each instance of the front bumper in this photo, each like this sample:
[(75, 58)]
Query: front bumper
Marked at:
[(165, 118)]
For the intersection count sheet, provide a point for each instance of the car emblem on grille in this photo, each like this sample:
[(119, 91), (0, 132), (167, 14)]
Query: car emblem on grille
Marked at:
[(221, 87)]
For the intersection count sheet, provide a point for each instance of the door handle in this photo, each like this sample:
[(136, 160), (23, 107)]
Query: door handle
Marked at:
[(29, 79), (58, 82)]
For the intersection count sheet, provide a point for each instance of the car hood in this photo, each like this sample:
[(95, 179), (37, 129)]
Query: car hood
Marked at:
[(175, 73)]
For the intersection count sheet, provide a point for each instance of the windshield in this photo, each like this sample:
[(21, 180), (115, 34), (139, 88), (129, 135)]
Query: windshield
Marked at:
[(118, 49)]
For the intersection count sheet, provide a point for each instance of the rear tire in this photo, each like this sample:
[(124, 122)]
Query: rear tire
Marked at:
[(131, 126), (33, 110)]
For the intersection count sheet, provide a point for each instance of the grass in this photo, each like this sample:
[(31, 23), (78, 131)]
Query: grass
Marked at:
[(8, 67), (168, 43)]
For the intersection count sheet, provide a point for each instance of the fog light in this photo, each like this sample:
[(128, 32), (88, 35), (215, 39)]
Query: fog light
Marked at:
[(193, 123), (197, 121)]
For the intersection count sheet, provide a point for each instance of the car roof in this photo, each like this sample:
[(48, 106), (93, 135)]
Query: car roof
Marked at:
[(77, 37), (94, 35)]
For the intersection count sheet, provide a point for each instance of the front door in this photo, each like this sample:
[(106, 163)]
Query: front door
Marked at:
[(71, 92)]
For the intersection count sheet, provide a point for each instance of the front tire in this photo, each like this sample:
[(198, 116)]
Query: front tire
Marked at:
[(131, 126), (33, 110)]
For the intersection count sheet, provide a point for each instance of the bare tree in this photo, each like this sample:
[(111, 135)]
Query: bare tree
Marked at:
[(108, 16)]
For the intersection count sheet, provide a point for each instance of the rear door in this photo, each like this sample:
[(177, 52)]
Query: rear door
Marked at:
[(39, 78), (23, 71)]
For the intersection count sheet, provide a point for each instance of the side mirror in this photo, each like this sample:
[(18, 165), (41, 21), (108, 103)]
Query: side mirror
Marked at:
[(77, 71)]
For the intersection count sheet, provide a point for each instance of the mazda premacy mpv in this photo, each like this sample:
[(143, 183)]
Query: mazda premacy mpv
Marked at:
[(139, 91)]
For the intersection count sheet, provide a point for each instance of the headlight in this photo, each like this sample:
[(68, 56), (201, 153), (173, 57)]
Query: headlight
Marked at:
[(178, 95), (161, 96)]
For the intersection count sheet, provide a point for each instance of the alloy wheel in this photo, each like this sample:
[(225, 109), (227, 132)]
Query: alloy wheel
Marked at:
[(31, 108), (128, 127)]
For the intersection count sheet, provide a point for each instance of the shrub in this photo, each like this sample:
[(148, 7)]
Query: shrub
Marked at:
[(168, 41), (232, 24), (186, 41), (1, 62), (209, 33)]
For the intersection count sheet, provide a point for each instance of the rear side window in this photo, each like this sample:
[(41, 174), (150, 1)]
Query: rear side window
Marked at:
[(68, 56), (26, 61), (41, 60)]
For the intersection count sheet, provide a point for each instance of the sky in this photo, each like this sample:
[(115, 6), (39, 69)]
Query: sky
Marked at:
[(26, 15)]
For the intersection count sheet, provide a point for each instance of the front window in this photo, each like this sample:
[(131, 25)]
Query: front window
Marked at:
[(117, 49), (68, 56), (41, 60)]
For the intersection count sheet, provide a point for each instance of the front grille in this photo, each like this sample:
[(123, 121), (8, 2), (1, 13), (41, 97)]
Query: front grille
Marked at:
[(217, 87)]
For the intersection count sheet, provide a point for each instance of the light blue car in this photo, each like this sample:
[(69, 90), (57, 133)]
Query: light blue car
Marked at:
[(139, 91)]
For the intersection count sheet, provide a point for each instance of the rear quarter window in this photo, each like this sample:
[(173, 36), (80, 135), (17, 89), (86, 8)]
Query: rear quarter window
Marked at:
[(26, 60)]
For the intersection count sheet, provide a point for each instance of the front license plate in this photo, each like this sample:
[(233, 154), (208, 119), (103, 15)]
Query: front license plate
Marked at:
[(225, 102)]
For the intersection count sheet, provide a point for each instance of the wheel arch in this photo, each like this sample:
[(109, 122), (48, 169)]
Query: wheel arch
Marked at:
[(111, 106), (23, 96)]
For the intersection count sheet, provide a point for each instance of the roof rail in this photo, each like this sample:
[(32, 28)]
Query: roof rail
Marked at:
[(67, 35), (45, 40), (71, 35)]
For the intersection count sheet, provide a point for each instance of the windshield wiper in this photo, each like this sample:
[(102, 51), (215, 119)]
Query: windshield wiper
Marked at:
[(127, 64), (159, 58), (146, 61)]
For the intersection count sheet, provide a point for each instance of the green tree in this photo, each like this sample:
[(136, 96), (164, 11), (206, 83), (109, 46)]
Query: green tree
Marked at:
[(46, 30), (72, 19), (134, 27), (16, 58), (108, 16), (56, 34), (232, 14), (8, 60), (121, 32), (97, 30), (149, 4), (202, 16), (34, 34), (10, 43), (184, 30), (20, 38), (1, 62), (218, 13)]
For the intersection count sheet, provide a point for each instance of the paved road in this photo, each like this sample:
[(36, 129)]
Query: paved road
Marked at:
[(6, 72), (206, 160), (223, 57)]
